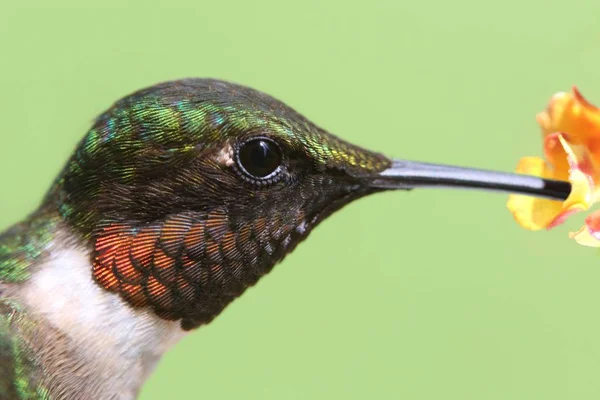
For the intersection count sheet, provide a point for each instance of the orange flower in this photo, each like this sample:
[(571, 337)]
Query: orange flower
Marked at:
[(571, 135)]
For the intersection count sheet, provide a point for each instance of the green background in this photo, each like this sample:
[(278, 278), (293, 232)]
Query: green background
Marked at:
[(425, 295)]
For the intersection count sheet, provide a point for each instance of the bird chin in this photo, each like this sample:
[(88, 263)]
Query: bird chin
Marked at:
[(336, 205)]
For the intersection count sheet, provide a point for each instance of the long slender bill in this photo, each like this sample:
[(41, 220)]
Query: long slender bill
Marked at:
[(409, 175)]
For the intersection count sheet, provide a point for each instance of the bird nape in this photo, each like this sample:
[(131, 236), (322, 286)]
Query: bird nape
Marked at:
[(179, 198)]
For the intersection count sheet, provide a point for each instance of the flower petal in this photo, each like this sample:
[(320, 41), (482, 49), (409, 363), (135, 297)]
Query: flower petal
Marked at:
[(535, 213), (589, 234), (572, 114), (571, 134), (531, 212)]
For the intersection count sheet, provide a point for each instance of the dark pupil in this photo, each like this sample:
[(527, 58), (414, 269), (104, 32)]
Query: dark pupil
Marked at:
[(260, 158)]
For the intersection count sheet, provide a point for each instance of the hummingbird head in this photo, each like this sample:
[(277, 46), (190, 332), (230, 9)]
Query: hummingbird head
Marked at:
[(189, 191)]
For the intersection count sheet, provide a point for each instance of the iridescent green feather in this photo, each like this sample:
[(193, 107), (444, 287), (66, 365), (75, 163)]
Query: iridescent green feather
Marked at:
[(18, 369), (142, 134), (20, 247), (140, 155), (23, 244)]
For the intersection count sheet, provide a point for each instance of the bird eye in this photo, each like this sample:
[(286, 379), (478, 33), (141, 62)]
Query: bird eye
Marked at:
[(260, 158)]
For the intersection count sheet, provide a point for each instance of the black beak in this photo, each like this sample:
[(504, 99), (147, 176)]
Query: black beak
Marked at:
[(409, 175)]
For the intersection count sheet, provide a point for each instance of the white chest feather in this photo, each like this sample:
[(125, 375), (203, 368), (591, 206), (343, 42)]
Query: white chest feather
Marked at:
[(104, 328)]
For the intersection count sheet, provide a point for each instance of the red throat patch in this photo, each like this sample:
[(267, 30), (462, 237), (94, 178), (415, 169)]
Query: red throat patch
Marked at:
[(191, 265)]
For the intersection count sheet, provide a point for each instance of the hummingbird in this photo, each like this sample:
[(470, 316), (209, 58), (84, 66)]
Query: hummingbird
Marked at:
[(179, 198)]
